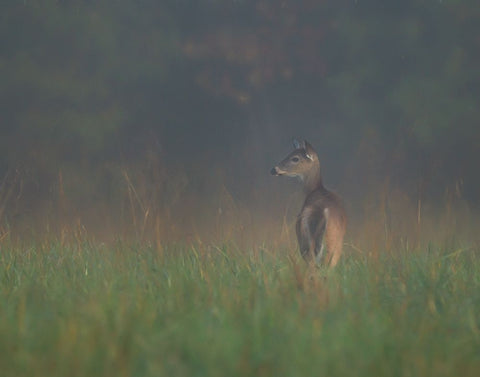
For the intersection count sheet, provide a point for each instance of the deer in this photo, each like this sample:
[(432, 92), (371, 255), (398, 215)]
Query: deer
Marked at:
[(322, 221)]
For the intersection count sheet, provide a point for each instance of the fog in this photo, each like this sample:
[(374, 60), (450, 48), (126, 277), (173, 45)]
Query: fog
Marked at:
[(161, 120)]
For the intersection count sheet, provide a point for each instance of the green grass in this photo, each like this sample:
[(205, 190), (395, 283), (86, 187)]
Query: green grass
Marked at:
[(92, 310)]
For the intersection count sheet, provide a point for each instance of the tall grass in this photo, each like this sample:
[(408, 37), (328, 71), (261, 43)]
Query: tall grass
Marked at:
[(86, 309), (171, 299)]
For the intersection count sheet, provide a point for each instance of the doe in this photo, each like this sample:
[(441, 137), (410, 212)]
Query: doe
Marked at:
[(322, 221)]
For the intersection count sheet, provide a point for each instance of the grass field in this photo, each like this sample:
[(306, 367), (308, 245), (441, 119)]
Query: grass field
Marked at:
[(89, 309)]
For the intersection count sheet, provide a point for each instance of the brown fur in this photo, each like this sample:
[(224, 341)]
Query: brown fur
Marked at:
[(322, 221)]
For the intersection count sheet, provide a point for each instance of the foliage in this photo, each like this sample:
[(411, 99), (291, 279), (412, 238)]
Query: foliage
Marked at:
[(80, 72), (387, 91), (71, 73)]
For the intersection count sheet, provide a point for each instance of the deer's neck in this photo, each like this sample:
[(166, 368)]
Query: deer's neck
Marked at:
[(313, 180)]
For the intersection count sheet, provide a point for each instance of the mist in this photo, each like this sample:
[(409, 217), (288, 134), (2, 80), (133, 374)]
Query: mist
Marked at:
[(160, 121)]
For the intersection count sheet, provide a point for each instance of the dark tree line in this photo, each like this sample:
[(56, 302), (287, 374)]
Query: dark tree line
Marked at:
[(85, 82)]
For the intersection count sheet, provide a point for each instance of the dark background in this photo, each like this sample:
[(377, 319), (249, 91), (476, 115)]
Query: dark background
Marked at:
[(177, 107)]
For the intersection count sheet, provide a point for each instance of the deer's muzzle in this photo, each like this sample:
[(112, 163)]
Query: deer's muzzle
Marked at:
[(275, 171)]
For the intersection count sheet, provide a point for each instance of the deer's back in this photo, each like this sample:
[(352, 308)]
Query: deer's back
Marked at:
[(322, 199)]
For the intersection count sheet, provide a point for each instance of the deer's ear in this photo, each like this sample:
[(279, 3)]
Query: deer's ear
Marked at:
[(309, 151), (298, 144)]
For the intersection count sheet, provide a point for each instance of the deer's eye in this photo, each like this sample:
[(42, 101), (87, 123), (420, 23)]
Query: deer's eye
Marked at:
[(295, 159)]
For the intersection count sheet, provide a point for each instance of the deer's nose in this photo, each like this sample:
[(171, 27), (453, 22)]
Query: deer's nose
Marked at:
[(274, 171)]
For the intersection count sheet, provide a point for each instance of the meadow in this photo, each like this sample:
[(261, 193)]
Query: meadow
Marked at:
[(85, 308), (141, 233)]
